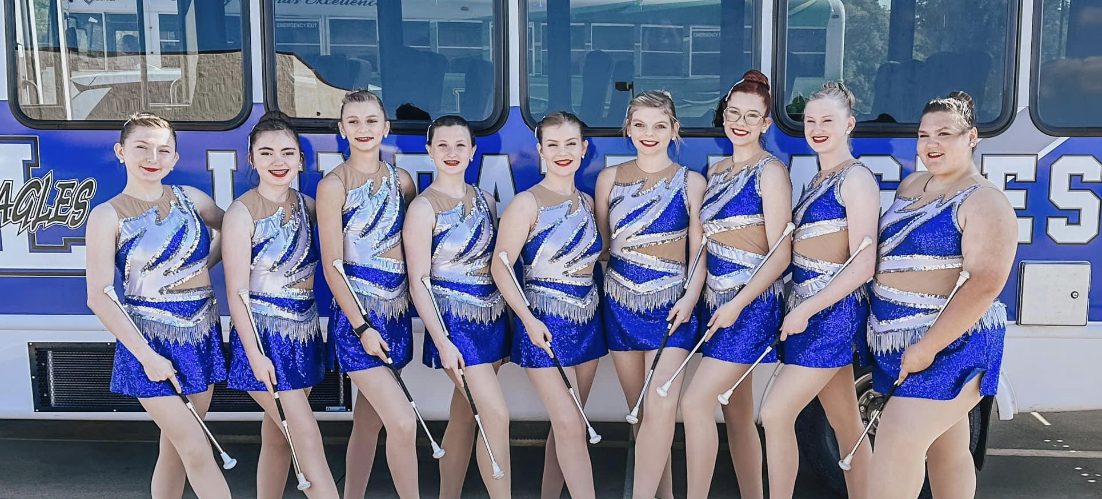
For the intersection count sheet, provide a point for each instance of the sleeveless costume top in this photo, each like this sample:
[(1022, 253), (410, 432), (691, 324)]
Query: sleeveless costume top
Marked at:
[(162, 250), (647, 211), (733, 201), (462, 243), (559, 256)]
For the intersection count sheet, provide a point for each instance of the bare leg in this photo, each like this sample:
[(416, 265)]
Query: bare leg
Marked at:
[(275, 456), (486, 390), (907, 430), (189, 444), (458, 441), (701, 438), (386, 397), (950, 465), (568, 428), (652, 449), (307, 438), (631, 368), (360, 456), (793, 389), (169, 476), (553, 480), (839, 399)]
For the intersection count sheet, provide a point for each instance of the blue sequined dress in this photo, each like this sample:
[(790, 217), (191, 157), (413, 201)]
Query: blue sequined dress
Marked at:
[(828, 341), (648, 214), (373, 213), (559, 258), (922, 235), (162, 250), (472, 308), (281, 293), (733, 202)]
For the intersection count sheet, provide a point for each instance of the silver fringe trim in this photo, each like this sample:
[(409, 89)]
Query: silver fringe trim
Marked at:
[(573, 310), (640, 302), (193, 334), (300, 331), (483, 311), (716, 298), (389, 308), (897, 340)]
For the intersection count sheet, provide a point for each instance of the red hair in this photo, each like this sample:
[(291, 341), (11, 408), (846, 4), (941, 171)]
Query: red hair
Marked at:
[(755, 83)]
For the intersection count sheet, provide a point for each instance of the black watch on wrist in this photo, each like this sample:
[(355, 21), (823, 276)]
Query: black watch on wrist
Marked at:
[(359, 330)]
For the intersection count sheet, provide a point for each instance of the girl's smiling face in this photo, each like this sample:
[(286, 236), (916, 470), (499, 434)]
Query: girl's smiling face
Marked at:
[(149, 153), (744, 119), (944, 144), (562, 148), (277, 157), (827, 125), (364, 124), (651, 130), (451, 149)]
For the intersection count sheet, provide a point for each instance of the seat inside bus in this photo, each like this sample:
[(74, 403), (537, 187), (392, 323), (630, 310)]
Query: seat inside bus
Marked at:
[(902, 88)]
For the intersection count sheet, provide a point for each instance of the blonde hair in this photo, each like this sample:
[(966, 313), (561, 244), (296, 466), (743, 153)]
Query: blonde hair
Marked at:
[(656, 99), (836, 91), (145, 120), (362, 96)]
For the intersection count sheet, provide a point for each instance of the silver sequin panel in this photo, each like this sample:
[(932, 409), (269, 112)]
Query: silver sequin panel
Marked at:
[(462, 256), (563, 223), (628, 240), (895, 335), (278, 266), (147, 280), (904, 210), (365, 244)]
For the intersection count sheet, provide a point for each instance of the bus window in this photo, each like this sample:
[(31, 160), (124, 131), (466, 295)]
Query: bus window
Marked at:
[(895, 55), (1068, 67), (181, 60), (423, 57), (589, 57)]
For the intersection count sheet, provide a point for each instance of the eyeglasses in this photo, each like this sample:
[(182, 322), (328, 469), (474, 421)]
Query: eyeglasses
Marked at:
[(751, 118)]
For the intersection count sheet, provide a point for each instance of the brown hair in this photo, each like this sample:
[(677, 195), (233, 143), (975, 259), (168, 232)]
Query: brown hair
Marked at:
[(362, 95), (957, 103), (146, 120), (448, 120), (753, 82), (273, 121), (558, 118), (837, 92), (657, 99)]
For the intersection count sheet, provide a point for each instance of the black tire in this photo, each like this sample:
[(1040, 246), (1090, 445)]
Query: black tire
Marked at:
[(818, 446)]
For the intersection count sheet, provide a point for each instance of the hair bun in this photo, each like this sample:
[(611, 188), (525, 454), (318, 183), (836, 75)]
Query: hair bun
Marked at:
[(964, 99), (756, 77)]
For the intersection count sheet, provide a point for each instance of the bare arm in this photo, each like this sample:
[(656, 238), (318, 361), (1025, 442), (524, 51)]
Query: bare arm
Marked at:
[(101, 235), (862, 198), (695, 190), (329, 205), (417, 241), (600, 207), (237, 258), (521, 212), (409, 189), (212, 216)]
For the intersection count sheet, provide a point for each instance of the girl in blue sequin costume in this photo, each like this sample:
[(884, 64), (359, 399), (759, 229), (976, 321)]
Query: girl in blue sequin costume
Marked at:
[(559, 251), (268, 249), (449, 237), (159, 237), (361, 207), (746, 208), (836, 211), (648, 211), (943, 221)]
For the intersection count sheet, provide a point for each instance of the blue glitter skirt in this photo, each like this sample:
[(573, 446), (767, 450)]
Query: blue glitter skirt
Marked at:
[(350, 353), (478, 342), (757, 327), (978, 352), (627, 330), (298, 364), (828, 341), (198, 365), (574, 343)]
